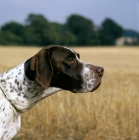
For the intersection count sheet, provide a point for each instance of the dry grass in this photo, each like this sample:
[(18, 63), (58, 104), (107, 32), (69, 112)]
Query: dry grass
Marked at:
[(109, 113)]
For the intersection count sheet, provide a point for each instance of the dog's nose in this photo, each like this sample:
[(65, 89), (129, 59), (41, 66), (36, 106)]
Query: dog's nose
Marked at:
[(100, 70)]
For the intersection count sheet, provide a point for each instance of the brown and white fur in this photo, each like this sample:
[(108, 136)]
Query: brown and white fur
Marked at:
[(52, 69)]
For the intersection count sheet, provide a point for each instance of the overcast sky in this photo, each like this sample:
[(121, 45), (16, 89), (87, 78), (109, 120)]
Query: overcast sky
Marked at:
[(124, 12)]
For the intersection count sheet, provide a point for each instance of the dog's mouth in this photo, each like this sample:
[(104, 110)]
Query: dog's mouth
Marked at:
[(80, 91), (95, 87)]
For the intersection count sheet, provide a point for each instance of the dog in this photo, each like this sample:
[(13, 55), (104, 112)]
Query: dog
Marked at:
[(52, 69)]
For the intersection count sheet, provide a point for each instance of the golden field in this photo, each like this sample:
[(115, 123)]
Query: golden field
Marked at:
[(109, 113)]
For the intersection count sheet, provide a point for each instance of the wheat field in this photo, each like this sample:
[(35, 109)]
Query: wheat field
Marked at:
[(109, 113)]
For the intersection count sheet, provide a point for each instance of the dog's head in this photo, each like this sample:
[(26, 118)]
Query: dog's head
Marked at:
[(57, 66)]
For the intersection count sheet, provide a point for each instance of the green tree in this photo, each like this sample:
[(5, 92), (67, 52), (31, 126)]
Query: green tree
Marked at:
[(83, 29), (15, 28), (64, 36), (39, 31), (12, 33), (109, 32), (8, 38), (77, 30)]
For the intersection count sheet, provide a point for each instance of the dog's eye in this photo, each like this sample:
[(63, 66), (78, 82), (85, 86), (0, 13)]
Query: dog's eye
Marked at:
[(71, 60)]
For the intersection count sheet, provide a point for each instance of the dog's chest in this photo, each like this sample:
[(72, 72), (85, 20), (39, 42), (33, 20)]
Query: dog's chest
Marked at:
[(10, 119), (18, 89), (22, 93)]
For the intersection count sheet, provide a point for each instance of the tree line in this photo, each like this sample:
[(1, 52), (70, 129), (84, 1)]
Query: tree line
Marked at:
[(77, 30)]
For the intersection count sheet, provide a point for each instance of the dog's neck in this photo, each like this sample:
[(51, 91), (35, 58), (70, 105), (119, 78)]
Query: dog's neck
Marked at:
[(22, 92)]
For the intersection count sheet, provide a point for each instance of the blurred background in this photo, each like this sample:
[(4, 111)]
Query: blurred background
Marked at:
[(104, 33), (73, 23)]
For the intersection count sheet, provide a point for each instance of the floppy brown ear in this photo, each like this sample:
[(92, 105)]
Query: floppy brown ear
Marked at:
[(41, 64)]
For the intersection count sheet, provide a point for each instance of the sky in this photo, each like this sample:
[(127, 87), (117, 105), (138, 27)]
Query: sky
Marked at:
[(123, 12)]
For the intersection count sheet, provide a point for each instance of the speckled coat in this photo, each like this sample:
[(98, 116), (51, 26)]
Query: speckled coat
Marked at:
[(52, 69), (17, 95)]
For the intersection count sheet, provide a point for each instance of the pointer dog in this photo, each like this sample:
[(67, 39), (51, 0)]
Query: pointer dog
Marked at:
[(52, 69)]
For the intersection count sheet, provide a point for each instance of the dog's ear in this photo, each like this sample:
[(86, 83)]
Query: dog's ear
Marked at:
[(42, 67)]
